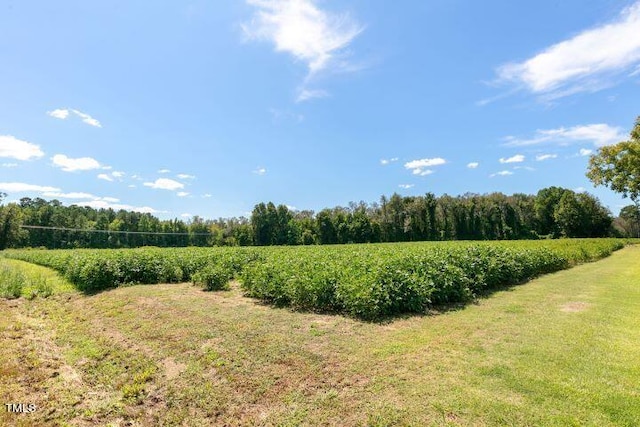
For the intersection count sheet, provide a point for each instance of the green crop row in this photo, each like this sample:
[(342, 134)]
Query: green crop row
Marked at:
[(93, 270), (366, 281)]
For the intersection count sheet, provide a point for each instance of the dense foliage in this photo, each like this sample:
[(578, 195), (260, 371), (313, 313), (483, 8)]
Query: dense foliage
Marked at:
[(366, 281), (618, 166), (553, 212)]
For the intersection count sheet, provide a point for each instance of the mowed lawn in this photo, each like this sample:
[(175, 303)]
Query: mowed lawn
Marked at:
[(561, 350)]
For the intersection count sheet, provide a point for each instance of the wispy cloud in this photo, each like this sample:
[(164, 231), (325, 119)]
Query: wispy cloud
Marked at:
[(9, 165), (585, 152), (165, 184), (105, 177), (590, 61), (598, 134), (79, 196), (259, 171), (316, 37), (59, 113), (182, 194), (279, 115), (186, 215), (518, 158), (473, 165), (87, 119), (105, 204), (307, 94), (15, 148), (69, 164), (501, 173), (185, 176), (543, 157), (118, 174), (406, 186), (20, 187), (385, 162), (164, 170), (63, 114)]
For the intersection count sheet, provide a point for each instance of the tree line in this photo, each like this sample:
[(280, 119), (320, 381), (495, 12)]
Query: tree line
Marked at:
[(552, 213)]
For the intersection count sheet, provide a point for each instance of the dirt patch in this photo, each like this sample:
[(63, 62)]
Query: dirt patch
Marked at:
[(172, 368), (574, 307)]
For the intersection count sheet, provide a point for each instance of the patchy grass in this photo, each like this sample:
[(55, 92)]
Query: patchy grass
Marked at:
[(561, 350)]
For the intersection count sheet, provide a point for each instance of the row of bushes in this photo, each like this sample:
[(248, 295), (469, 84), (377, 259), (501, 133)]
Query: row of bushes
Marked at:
[(93, 270), (375, 281), (366, 281)]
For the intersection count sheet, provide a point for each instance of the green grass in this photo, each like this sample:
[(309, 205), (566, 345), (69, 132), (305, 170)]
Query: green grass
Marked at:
[(560, 350)]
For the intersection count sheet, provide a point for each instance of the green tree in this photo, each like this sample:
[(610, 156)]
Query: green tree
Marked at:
[(630, 220), (10, 221), (618, 166)]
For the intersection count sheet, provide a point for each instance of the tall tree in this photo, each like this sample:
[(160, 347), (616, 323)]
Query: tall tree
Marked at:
[(618, 166)]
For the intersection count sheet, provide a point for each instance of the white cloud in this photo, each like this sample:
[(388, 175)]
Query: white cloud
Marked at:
[(87, 119), (406, 186), (117, 174), (259, 171), (164, 184), (19, 187), (79, 196), (598, 134), (105, 177), (422, 163), (422, 172), (417, 167), (307, 94), (585, 152), (528, 168), (104, 204), (63, 113), (425, 163), (17, 149), (311, 35), (589, 61), (182, 194), (473, 165), (68, 164), (72, 195), (131, 186), (387, 161), (185, 176), (59, 113), (518, 158), (206, 196), (501, 173), (9, 165), (579, 189), (542, 157), (186, 215), (164, 170)]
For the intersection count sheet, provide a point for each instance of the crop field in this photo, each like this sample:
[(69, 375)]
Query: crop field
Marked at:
[(364, 281), (560, 350)]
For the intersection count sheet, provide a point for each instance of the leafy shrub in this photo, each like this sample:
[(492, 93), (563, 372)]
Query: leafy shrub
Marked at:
[(11, 283), (213, 278)]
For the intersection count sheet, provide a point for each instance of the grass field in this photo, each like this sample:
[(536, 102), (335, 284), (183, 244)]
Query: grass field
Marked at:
[(560, 350)]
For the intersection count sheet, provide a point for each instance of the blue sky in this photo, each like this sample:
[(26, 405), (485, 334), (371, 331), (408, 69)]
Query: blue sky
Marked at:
[(209, 107)]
